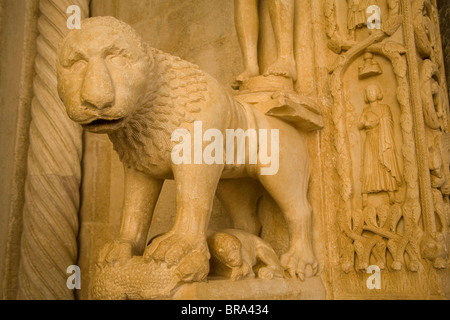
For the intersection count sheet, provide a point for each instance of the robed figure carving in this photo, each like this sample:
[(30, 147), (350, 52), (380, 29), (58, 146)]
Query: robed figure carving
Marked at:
[(357, 16), (380, 170)]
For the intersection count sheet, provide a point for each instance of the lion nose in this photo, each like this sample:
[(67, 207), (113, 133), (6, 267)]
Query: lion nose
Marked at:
[(97, 89)]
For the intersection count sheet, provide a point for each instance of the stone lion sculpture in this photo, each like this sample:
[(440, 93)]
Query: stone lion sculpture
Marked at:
[(111, 82)]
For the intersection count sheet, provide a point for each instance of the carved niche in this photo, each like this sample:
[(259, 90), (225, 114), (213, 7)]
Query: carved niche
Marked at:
[(381, 218)]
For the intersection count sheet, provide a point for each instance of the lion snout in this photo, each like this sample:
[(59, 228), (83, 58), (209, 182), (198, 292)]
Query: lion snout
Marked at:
[(97, 90)]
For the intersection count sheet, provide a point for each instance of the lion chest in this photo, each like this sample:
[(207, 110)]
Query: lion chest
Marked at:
[(148, 152)]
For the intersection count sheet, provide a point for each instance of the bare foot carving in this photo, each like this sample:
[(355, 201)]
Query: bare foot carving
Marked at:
[(247, 74), (283, 67)]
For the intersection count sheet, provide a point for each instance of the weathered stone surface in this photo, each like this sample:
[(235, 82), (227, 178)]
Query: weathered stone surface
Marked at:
[(370, 106)]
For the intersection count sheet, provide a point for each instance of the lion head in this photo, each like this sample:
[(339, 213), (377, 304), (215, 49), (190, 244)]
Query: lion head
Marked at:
[(112, 82), (226, 248), (103, 73)]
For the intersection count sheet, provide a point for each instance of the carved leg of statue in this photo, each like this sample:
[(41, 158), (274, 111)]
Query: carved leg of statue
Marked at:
[(141, 195), (292, 199), (298, 213), (240, 199), (185, 245), (247, 27), (282, 16)]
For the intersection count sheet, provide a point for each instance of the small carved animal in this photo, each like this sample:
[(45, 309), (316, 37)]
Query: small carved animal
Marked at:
[(240, 251), (112, 82)]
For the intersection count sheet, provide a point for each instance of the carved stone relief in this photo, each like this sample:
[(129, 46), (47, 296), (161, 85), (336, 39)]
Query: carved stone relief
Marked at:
[(134, 114), (356, 16), (380, 170), (380, 215), (435, 110), (355, 106)]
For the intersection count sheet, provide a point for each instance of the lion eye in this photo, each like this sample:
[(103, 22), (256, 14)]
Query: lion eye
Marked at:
[(79, 64), (74, 64), (118, 60)]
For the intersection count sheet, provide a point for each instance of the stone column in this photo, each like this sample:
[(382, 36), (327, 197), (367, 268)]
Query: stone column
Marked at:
[(50, 217)]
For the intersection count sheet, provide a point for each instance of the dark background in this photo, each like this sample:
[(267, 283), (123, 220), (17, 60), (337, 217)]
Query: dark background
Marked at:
[(444, 17)]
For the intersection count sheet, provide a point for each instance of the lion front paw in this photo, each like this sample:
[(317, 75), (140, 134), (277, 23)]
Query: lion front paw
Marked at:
[(188, 253), (269, 273), (296, 261), (117, 252)]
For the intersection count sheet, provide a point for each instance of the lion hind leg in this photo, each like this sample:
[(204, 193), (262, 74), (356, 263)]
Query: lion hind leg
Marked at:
[(293, 202), (240, 199)]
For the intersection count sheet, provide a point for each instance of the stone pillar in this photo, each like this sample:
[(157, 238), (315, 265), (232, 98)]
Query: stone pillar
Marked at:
[(18, 32), (50, 219)]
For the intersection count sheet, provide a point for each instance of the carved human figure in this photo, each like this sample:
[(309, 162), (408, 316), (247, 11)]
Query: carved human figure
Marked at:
[(357, 16), (380, 170), (393, 8), (247, 27)]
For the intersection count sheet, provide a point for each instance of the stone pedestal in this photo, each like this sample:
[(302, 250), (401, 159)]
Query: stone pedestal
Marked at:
[(253, 289)]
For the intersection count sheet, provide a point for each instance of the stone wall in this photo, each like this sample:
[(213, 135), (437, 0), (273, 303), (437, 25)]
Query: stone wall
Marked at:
[(17, 39)]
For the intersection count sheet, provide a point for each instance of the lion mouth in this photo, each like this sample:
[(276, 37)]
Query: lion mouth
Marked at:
[(104, 124)]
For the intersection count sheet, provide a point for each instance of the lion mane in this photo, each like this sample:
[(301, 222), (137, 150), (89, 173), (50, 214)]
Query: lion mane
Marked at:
[(178, 92)]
